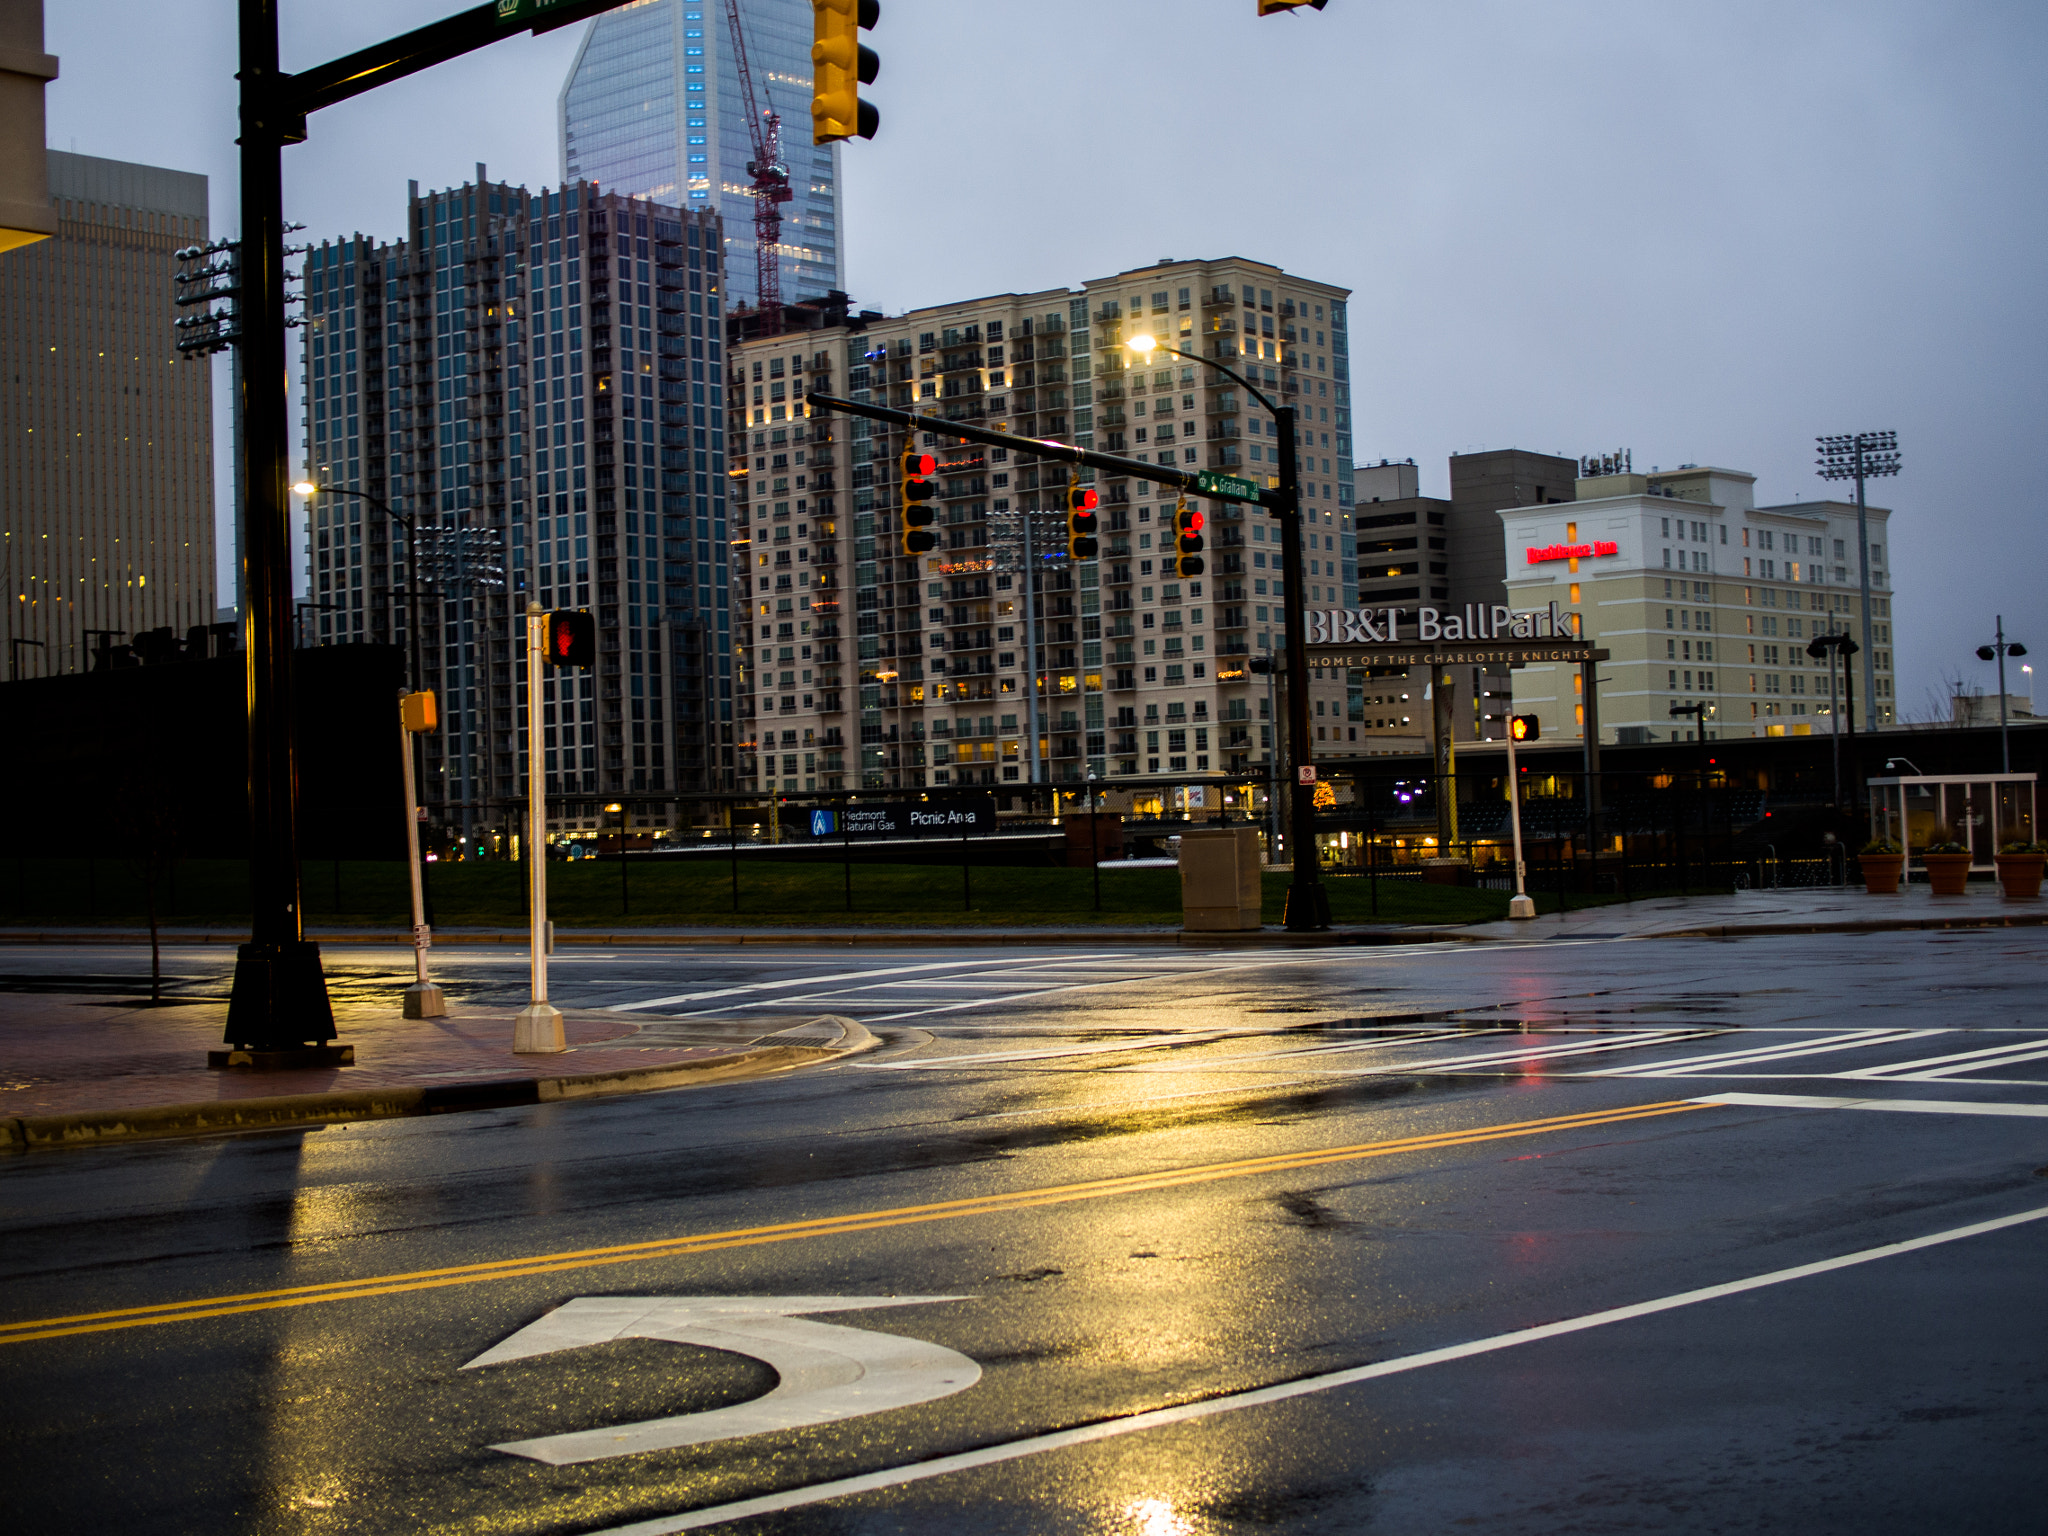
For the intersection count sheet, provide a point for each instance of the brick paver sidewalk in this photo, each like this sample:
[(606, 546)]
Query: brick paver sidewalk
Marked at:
[(68, 1054)]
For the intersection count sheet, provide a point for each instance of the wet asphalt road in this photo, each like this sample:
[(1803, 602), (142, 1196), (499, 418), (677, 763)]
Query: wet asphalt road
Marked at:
[(1149, 1180)]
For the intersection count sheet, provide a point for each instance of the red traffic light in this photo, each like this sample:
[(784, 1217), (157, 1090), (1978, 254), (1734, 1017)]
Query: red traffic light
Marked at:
[(1082, 499), (919, 465)]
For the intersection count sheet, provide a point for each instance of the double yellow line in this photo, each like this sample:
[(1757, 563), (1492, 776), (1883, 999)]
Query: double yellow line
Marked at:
[(827, 1226)]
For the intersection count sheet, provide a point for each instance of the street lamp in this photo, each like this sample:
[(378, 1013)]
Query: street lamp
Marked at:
[(1308, 902), (1861, 456), (308, 489), (2002, 648)]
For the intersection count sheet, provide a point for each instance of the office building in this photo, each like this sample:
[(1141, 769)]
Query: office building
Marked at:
[(1703, 598), (533, 380), (653, 108), (106, 435), (864, 668)]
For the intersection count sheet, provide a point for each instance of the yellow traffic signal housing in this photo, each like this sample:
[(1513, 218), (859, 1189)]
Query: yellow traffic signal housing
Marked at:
[(416, 711), (1187, 541), (1081, 519), (916, 512), (840, 66), (1524, 727)]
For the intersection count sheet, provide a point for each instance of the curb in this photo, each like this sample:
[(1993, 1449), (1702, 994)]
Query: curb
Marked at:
[(33, 1133), (1853, 925), (994, 938)]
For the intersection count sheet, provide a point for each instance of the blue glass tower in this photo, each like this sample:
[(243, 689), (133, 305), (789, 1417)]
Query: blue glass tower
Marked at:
[(653, 108)]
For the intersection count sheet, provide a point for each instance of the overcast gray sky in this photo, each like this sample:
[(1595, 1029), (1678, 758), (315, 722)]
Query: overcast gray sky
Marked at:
[(1702, 232)]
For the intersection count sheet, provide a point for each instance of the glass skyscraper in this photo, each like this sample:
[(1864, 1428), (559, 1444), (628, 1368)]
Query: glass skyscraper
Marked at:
[(653, 108)]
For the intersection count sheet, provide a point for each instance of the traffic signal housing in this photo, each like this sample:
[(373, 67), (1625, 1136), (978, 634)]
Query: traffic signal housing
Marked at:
[(1271, 7), (1524, 727), (840, 67), (1081, 518), (572, 639), (917, 513), (1187, 540)]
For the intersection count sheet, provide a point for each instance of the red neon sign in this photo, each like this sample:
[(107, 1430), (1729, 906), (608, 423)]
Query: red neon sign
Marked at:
[(1572, 551)]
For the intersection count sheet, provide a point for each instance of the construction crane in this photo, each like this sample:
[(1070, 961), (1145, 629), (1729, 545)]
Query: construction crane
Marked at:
[(771, 184)]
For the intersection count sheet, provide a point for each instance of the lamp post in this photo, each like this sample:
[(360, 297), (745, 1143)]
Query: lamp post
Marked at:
[(308, 489), (2002, 648), (1861, 456), (1308, 902)]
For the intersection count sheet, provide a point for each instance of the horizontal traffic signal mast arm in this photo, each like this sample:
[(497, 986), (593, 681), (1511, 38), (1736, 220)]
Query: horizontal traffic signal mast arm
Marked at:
[(1063, 453), (424, 47)]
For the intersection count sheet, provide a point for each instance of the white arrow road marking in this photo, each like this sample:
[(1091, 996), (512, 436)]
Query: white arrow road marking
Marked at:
[(827, 1371)]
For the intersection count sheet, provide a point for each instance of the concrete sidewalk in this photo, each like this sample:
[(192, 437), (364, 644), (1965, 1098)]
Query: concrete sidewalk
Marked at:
[(80, 1068), (1756, 913)]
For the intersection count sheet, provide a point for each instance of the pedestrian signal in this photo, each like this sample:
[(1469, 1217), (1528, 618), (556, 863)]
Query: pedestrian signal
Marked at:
[(917, 513), (416, 711), (1524, 727), (1081, 519), (1187, 540), (572, 639)]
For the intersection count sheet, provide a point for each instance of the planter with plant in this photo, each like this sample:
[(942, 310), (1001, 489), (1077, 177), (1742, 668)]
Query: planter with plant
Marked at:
[(2019, 869), (1882, 861), (1948, 861)]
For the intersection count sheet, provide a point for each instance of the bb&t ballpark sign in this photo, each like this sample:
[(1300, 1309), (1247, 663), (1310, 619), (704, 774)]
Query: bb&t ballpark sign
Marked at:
[(1480, 634)]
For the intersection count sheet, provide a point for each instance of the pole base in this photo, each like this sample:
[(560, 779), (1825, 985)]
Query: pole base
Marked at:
[(1308, 907), (310, 1056), (1522, 906), (424, 1001), (537, 1031), (279, 1000)]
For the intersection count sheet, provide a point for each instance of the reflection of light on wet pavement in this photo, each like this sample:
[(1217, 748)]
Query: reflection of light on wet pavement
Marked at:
[(1156, 1517)]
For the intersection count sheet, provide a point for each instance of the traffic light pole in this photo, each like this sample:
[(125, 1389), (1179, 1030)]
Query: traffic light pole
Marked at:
[(1308, 902), (278, 1011)]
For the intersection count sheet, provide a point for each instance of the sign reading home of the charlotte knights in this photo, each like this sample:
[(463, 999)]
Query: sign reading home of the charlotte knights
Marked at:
[(920, 818), (1479, 635)]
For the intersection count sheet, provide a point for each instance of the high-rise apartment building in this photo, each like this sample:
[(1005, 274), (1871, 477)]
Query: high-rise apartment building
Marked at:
[(653, 108), (532, 380), (863, 667), (106, 435), (1703, 598)]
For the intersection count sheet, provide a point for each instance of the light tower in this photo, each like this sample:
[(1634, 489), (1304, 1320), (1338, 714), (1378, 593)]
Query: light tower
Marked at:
[(1861, 456)]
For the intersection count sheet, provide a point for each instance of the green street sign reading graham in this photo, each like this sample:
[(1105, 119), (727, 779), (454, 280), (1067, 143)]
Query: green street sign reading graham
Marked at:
[(1227, 486)]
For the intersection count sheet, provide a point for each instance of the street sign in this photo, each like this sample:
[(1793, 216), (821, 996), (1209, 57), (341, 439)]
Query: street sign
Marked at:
[(1227, 486), (1305, 774)]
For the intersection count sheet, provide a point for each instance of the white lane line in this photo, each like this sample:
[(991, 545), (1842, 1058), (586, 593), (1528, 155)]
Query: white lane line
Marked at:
[(1021, 997), (1542, 1053), (987, 1058), (801, 981), (2010, 1054), (1259, 1397), (1902, 1106), (1778, 1051), (1286, 1059)]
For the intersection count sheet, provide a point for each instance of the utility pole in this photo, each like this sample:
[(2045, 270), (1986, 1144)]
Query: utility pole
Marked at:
[(278, 1011)]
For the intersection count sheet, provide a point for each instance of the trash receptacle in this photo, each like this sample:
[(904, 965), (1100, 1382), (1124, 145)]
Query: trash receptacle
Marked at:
[(1219, 880)]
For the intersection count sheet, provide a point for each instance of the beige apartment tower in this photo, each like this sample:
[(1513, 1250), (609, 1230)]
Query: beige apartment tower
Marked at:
[(859, 667), (106, 452)]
